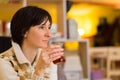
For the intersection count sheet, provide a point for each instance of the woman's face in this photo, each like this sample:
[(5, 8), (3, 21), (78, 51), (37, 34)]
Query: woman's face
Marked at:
[(38, 35)]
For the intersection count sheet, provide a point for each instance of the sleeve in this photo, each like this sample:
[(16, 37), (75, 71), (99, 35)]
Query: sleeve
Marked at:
[(53, 72), (7, 71)]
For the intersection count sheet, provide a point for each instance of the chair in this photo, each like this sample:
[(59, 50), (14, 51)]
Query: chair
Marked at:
[(5, 43), (113, 56), (99, 53), (98, 57)]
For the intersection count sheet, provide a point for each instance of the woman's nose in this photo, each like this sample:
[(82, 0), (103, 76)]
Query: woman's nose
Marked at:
[(48, 33)]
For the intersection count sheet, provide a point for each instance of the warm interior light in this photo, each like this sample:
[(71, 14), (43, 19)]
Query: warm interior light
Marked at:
[(87, 17), (81, 11), (81, 32)]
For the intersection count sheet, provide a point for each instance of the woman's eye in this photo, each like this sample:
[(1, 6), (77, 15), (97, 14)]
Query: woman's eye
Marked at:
[(41, 27), (44, 27), (49, 27)]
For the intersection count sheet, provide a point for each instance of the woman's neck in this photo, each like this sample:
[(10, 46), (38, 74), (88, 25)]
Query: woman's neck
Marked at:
[(29, 52)]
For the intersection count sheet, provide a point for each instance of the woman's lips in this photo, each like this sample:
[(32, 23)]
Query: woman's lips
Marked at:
[(45, 41)]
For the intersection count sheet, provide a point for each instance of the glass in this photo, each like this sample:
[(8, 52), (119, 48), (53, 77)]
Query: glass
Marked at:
[(62, 58)]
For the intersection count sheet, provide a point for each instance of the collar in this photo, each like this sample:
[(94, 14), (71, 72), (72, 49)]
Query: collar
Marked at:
[(20, 55)]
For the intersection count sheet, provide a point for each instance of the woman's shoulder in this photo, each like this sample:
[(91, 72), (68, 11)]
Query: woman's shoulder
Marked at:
[(6, 53), (5, 57), (6, 68), (5, 64)]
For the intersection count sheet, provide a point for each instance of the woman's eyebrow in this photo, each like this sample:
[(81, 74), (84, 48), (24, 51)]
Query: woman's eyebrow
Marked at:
[(44, 23)]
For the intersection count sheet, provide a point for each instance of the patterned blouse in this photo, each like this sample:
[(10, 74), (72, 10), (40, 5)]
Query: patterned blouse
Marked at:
[(15, 66)]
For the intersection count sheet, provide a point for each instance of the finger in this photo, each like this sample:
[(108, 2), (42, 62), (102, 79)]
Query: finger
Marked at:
[(54, 46), (57, 50), (55, 58), (46, 56), (58, 54), (55, 54)]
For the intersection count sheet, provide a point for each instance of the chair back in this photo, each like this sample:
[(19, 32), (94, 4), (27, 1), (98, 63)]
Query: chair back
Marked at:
[(5, 43)]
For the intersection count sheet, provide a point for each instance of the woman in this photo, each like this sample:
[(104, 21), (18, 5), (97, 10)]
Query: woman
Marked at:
[(30, 58)]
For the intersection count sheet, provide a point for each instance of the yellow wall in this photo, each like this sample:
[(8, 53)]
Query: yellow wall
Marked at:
[(8, 10), (87, 16)]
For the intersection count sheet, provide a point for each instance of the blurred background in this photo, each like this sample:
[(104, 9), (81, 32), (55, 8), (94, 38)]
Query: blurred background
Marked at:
[(89, 29), (88, 15)]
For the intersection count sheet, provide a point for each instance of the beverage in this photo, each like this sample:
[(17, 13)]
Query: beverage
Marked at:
[(60, 60)]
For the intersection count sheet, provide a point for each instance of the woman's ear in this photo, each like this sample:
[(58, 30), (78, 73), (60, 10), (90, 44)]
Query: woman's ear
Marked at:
[(25, 35)]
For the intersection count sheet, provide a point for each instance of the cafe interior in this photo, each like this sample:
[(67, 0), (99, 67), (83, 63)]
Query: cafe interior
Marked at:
[(88, 29)]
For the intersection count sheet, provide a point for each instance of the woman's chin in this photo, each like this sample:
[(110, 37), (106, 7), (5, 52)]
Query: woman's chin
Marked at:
[(44, 46)]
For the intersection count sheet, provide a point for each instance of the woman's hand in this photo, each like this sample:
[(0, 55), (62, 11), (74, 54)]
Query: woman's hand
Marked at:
[(48, 55)]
